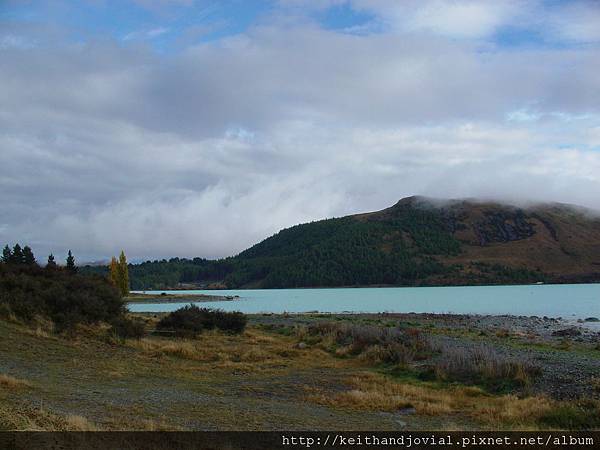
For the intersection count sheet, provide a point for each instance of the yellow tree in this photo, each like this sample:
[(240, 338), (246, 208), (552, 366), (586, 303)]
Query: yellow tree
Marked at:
[(123, 274), (114, 273)]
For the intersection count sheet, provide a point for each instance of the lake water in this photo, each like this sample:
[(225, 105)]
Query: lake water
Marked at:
[(570, 301)]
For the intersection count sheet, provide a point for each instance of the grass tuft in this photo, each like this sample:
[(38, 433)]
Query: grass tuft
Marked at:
[(13, 383)]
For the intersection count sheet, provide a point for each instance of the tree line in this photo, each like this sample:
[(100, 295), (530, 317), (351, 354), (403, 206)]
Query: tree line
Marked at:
[(62, 293), (24, 255)]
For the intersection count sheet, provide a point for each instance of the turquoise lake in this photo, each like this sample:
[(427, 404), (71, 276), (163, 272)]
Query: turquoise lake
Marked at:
[(570, 301)]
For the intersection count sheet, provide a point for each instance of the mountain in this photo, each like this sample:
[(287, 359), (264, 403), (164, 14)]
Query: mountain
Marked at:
[(418, 241), (430, 241)]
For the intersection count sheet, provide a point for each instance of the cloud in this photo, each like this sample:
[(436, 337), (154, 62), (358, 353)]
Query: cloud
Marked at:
[(576, 21), (461, 18), (107, 144), (147, 34)]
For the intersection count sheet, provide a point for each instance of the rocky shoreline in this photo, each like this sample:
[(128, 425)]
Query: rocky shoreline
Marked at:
[(566, 351)]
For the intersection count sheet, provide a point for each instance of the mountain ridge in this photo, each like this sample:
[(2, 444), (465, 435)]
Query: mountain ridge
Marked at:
[(418, 241)]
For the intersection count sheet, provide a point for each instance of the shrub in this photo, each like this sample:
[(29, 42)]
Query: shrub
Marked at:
[(482, 364), (234, 322), (125, 327), (373, 343), (65, 298), (190, 321)]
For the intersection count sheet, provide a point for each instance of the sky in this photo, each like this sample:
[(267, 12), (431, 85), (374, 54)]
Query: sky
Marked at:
[(198, 128)]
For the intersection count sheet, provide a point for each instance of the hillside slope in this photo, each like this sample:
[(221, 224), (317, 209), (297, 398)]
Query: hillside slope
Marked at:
[(426, 241), (418, 241)]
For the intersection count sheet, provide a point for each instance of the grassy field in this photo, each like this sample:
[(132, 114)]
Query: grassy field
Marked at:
[(300, 372)]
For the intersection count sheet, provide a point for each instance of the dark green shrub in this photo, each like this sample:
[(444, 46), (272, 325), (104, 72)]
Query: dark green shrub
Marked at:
[(190, 321), (125, 327), (65, 298), (233, 322)]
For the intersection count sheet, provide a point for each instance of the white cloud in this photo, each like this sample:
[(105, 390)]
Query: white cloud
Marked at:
[(106, 146), (146, 34)]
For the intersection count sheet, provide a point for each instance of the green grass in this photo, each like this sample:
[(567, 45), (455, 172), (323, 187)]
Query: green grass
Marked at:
[(577, 416)]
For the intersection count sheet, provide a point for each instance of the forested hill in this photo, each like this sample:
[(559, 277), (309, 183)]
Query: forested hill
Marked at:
[(418, 241)]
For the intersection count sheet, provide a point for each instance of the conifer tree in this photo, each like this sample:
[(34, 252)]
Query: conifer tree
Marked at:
[(123, 274), (17, 255), (6, 255), (71, 263), (51, 262), (28, 257)]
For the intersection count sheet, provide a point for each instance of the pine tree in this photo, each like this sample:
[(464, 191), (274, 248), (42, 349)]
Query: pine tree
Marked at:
[(123, 274), (51, 262), (71, 263), (17, 255), (6, 255), (114, 273), (28, 257)]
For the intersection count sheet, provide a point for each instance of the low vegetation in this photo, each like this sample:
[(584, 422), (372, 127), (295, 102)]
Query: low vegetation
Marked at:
[(375, 344), (67, 298), (270, 375), (481, 364), (7, 381), (191, 320), (478, 364)]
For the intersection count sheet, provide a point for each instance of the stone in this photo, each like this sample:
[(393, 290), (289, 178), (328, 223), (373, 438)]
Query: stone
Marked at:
[(567, 332), (407, 411)]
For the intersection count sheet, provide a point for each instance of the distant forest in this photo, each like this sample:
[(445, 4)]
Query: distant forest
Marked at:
[(400, 249)]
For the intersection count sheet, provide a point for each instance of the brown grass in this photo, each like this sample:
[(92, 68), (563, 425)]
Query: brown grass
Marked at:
[(29, 418), (252, 351), (79, 423), (483, 364), (7, 381), (376, 392)]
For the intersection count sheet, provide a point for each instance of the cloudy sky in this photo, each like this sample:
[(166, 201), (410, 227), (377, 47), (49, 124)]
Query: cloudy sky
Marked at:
[(197, 127)]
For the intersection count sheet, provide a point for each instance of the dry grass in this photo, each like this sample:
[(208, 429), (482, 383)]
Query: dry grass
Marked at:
[(483, 364), (159, 424), (375, 392), (373, 344), (79, 423), (28, 418), (252, 351), (9, 382)]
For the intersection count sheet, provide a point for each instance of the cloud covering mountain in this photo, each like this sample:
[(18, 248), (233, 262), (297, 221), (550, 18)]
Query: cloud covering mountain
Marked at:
[(199, 128)]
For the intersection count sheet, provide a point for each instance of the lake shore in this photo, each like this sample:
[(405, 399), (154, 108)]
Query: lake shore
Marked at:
[(307, 371), (177, 298)]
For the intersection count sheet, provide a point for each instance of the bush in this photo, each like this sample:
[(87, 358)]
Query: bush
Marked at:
[(190, 321), (125, 327), (373, 343), (234, 322), (65, 298), (482, 364)]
